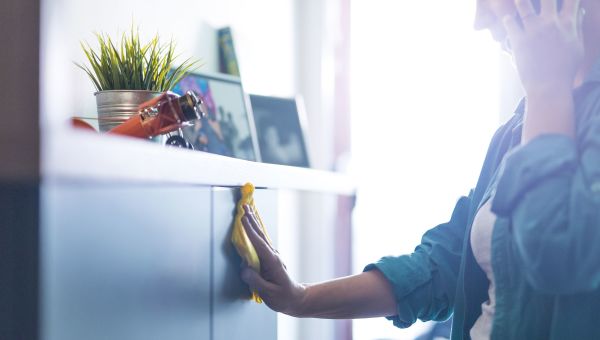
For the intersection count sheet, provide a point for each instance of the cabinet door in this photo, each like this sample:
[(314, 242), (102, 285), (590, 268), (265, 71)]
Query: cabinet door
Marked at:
[(234, 315), (125, 262)]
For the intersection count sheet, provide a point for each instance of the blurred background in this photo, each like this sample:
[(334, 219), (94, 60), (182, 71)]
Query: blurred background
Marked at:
[(403, 96)]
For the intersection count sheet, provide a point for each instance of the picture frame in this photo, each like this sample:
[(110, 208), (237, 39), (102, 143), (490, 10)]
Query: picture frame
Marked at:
[(280, 125), (229, 128)]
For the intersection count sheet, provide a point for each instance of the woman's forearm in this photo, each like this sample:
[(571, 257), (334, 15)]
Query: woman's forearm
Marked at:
[(368, 294), (364, 295)]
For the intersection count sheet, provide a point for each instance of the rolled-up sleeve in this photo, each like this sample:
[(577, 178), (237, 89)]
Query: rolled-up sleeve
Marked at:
[(549, 189), (424, 282)]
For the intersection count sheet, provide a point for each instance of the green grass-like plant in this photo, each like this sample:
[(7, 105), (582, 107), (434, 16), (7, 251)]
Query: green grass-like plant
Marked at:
[(129, 65)]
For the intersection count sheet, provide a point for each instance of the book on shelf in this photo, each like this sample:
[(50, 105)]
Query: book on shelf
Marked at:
[(228, 62)]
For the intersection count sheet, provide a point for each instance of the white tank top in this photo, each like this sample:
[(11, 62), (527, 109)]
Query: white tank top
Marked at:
[(481, 243)]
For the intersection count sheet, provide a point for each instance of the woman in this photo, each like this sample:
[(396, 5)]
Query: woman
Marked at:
[(520, 256)]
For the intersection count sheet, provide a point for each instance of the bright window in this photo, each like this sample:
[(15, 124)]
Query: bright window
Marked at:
[(425, 98)]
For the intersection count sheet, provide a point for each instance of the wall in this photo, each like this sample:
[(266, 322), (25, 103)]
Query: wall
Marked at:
[(19, 168), (263, 31), (19, 39), (284, 48)]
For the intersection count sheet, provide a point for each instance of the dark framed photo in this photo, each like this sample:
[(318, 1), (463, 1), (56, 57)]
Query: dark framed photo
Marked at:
[(280, 127), (228, 129)]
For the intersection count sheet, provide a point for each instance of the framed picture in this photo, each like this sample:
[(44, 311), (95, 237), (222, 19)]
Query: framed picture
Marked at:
[(228, 129), (280, 127)]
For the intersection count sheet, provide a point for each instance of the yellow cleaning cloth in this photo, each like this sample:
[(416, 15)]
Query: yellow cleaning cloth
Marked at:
[(240, 239)]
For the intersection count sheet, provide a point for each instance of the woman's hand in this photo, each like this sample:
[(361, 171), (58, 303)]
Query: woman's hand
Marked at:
[(547, 47), (273, 283), (548, 50)]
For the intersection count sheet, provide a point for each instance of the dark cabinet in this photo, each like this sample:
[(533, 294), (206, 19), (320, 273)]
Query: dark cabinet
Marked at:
[(125, 262), (234, 316)]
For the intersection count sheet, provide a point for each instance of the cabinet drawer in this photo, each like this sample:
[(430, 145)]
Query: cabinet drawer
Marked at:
[(125, 262)]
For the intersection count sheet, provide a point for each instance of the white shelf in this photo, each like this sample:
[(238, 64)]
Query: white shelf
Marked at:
[(82, 155)]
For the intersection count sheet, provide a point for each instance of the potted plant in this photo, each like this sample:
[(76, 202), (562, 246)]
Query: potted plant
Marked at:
[(129, 73)]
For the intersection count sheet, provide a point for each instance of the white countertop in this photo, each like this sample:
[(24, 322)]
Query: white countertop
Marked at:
[(82, 155)]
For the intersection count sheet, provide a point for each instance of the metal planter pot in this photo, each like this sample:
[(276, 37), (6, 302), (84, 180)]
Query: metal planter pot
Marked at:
[(116, 106)]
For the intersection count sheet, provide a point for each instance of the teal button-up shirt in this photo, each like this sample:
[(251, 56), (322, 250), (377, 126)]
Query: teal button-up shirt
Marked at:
[(545, 243)]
